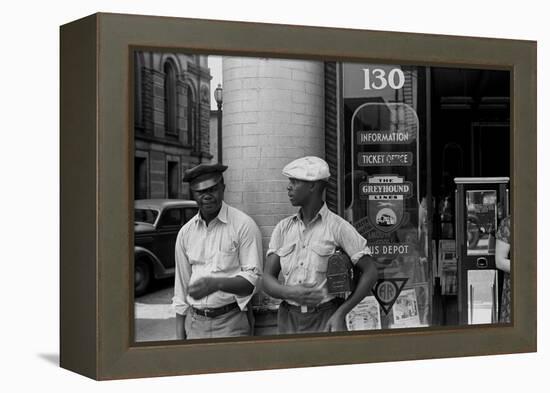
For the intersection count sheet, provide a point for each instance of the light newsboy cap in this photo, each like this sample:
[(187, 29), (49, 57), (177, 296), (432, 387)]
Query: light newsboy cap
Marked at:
[(204, 176), (307, 168)]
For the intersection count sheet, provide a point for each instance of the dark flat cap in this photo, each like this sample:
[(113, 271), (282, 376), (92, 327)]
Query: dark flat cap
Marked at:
[(204, 176)]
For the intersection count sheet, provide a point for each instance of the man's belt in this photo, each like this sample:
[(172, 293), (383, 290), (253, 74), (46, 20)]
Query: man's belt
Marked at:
[(311, 309), (215, 312)]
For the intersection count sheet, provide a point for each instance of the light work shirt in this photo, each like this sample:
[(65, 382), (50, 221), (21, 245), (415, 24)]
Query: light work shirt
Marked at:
[(304, 250), (229, 246)]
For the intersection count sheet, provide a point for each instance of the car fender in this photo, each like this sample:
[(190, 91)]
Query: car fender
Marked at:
[(158, 268)]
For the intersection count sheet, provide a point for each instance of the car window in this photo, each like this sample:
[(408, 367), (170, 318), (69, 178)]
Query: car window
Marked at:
[(190, 213), (145, 215), (171, 217)]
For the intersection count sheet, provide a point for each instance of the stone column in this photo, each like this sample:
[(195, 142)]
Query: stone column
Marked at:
[(273, 113)]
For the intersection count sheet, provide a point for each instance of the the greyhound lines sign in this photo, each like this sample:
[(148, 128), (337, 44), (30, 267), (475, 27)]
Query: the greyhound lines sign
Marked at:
[(385, 195)]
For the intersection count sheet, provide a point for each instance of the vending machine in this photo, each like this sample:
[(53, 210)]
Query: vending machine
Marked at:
[(480, 205)]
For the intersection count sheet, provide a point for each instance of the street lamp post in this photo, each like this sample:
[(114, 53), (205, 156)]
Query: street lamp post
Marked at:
[(218, 95)]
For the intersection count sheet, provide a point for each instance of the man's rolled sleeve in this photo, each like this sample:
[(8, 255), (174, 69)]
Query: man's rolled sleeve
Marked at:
[(352, 242), (251, 259), (181, 278)]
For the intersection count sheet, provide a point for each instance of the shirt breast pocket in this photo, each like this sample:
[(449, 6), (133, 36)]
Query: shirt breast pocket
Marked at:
[(286, 255), (227, 259), (321, 252)]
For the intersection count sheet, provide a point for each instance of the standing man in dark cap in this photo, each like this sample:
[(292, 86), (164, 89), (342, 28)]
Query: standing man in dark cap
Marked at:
[(218, 262), (300, 247)]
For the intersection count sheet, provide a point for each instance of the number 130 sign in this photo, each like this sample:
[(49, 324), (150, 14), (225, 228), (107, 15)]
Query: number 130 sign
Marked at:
[(377, 79)]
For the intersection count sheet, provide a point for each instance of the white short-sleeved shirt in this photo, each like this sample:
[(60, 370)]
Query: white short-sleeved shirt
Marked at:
[(230, 245), (304, 250)]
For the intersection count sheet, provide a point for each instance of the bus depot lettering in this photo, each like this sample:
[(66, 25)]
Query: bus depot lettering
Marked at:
[(395, 189), (385, 159), (377, 137), (390, 250)]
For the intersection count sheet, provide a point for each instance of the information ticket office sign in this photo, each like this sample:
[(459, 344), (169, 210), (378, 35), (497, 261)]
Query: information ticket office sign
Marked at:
[(383, 182)]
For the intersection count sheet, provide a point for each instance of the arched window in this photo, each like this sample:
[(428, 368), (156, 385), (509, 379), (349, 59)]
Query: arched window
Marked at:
[(170, 108), (191, 117)]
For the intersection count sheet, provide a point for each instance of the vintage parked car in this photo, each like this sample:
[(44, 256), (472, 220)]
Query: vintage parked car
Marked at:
[(156, 225)]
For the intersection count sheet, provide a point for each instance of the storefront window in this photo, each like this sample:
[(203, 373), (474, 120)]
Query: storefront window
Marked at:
[(408, 134)]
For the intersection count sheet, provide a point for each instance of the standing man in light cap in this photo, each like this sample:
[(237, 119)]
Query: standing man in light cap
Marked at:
[(218, 262), (300, 247)]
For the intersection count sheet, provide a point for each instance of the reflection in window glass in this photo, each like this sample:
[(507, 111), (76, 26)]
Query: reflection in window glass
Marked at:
[(481, 221)]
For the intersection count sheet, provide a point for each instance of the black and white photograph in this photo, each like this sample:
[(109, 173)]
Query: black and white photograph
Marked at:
[(289, 196)]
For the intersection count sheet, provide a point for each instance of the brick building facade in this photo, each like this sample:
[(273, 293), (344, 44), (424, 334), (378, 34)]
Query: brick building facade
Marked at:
[(171, 121)]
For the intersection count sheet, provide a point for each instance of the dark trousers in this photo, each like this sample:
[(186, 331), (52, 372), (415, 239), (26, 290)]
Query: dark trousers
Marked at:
[(290, 319)]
